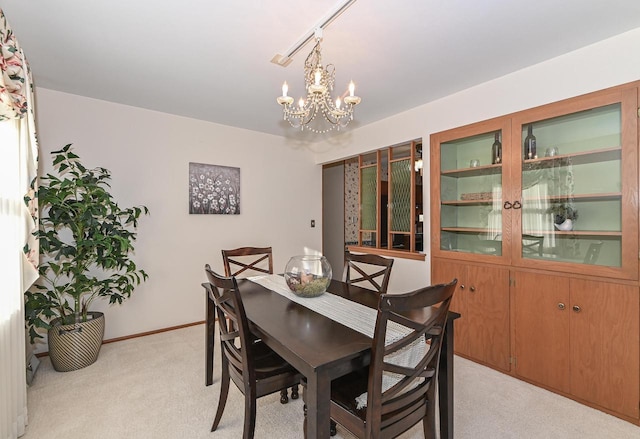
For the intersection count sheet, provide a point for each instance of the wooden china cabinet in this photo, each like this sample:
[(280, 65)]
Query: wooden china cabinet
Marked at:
[(544, 242)]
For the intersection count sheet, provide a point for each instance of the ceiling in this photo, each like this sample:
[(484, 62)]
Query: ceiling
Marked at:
[(210, 60)]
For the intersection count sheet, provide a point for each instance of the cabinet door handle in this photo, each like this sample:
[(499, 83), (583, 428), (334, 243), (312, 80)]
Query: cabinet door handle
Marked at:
[(561, 306), (472, 289), (576, 308), (517, 205), (507, 205), (462, 286)]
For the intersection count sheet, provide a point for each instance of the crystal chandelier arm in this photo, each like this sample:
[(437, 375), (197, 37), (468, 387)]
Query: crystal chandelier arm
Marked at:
[(330, 109)]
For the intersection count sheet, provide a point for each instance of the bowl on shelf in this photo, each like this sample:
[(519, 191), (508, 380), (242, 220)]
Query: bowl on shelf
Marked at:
[(308, 275), (565, 226)]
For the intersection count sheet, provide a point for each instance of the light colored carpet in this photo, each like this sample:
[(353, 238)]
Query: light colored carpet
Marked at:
[(153, 387)]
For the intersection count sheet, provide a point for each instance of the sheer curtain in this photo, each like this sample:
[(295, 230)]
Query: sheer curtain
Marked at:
[(18, 218)]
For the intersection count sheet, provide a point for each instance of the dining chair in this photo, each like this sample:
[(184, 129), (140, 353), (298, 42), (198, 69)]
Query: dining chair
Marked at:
[(254, 368), (397, 392), (251, 260), (372, 269), (248, 261), (239, 260)]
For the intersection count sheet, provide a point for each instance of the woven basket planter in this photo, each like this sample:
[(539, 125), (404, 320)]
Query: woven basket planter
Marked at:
[(74, 346)]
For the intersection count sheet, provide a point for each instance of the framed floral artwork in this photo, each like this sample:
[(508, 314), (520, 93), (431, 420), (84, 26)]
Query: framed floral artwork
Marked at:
[(214, 189)]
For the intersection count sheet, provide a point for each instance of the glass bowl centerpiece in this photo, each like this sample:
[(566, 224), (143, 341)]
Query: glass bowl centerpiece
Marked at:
[(308, 275)]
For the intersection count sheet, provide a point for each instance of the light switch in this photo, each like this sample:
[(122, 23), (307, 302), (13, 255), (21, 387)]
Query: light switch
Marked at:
[(313, 223)]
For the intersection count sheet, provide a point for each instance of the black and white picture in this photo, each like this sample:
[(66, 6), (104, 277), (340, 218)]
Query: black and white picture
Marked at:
[(214, 189)]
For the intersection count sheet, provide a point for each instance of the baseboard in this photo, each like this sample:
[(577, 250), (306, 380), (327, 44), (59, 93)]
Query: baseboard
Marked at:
[(140, 334)]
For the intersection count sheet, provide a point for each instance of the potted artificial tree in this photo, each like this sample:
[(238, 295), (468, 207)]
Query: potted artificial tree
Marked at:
[(563, 216), (86, 241)]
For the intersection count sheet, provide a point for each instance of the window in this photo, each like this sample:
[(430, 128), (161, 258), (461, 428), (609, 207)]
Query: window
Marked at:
[(390, 201)]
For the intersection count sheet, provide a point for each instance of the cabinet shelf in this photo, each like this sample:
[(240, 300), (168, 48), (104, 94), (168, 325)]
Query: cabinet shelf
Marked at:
[(553, 198), (578, 158), (468, 202), (474, 172), (594, 233), (576, 197), (465, 229)]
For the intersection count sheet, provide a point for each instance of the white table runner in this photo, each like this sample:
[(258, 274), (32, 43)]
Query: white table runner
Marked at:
[(354, 316)]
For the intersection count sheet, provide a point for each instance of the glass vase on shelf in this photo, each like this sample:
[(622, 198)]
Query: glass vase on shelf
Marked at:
[(530, 144), (496, 150)]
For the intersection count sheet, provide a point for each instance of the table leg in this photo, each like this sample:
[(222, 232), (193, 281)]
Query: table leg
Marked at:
[(445, 383), (317, 397), (210, 327)]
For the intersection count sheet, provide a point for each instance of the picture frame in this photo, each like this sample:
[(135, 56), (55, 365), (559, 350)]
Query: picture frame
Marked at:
[(214, 189)]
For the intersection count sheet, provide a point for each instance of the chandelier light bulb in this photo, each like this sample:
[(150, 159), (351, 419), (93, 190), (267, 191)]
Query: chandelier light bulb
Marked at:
[(285, 100), (352, 88), (338, 103), (318, 75), (301, 103)]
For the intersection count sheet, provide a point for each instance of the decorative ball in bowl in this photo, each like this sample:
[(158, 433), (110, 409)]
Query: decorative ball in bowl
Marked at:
[(308, 275)]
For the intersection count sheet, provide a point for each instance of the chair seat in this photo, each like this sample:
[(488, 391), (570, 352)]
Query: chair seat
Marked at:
[(267, 362), (346, 389)]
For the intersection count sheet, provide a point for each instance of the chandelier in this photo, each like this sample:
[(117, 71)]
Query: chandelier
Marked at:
[(318, 81)]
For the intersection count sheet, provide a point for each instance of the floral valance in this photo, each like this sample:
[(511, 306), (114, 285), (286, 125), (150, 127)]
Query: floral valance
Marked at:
[(13, 71)]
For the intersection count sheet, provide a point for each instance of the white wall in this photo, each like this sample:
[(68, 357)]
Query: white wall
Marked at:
[(148, 154), (605, 64), (333, 217)]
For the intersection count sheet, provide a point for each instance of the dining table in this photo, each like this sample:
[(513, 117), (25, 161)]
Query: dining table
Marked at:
[(322, 349)]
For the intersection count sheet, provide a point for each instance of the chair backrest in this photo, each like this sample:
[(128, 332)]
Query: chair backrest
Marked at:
[(532, 244), (233, 327), (420, 315), (239, 260), (373, 269)]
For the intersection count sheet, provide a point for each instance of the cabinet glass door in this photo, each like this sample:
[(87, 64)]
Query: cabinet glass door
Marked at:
[(572, 187), (471, 195)]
